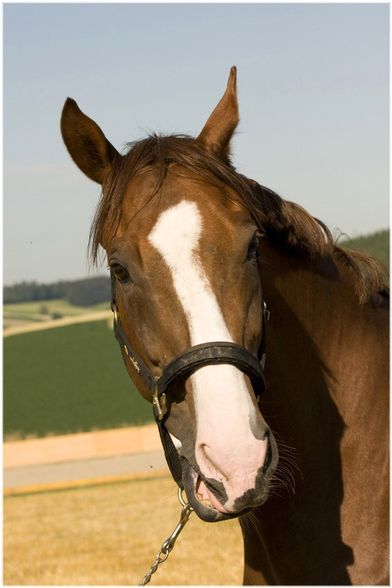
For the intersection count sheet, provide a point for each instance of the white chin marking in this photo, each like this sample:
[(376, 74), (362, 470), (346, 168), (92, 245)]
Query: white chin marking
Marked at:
[(217, 390)]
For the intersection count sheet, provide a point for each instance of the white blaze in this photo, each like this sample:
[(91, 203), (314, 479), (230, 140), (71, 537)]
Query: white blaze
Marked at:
[(221, 398), (176, 236)]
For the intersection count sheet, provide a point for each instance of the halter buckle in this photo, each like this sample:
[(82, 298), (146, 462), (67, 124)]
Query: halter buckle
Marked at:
[(159, 402)]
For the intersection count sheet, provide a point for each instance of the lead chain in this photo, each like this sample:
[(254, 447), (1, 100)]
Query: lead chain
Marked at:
[(168, 544)]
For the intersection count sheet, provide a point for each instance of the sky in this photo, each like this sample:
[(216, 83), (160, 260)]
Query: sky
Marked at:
[(313, 93)]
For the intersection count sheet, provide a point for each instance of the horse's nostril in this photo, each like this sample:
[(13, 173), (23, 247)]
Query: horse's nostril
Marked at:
[(217, 488)]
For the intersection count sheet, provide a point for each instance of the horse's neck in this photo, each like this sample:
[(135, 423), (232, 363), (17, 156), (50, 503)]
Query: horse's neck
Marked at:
[(319, 337), (325, 356)]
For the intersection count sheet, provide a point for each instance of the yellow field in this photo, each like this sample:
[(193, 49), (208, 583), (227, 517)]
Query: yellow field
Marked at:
[(42, 312), (109, 535)]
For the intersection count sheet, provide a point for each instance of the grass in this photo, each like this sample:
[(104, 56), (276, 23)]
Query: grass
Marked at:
[(67, 380), (109, 535)]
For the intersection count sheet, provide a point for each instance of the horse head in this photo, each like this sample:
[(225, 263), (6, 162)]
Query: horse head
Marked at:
[(183, 254)]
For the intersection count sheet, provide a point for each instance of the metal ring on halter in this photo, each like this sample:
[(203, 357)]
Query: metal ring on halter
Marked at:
[(183, 502)]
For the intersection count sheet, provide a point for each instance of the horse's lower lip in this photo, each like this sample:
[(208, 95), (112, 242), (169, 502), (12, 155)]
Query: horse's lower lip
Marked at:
[(210, 501), (207, 513)]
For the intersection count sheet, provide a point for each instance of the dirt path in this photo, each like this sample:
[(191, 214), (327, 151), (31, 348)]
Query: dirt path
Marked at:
[(85, 472), (81, 459)]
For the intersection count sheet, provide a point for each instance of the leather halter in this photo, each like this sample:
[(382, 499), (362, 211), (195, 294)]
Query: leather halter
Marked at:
[(181, 367)]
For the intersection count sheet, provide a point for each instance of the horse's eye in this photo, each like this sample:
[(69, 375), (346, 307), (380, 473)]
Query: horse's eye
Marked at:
[(120, 272), (253, 248)]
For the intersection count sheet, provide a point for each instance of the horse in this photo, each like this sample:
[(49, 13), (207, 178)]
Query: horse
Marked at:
[(262, 344)]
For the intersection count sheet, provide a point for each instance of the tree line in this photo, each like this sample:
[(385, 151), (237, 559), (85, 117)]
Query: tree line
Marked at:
[(85, 292)]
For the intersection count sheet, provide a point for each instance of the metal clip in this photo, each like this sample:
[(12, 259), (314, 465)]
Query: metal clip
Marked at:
[(159, 402), (267, 313), (168, 544)]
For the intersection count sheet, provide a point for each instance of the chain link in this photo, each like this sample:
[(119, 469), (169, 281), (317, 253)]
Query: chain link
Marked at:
[(168, 544)]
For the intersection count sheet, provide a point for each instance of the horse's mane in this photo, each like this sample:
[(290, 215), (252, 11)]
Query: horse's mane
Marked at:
[(285, 223)]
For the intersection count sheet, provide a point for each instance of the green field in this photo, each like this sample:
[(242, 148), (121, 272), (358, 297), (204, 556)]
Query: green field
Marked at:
[(65, 380)]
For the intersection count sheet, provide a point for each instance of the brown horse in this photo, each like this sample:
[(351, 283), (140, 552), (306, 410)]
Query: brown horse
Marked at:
[(195, 249)]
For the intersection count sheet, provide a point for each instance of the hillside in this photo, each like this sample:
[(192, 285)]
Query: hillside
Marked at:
[(23, 314), (376, 244)]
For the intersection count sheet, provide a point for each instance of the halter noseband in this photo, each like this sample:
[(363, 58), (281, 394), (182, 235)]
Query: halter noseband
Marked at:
[(181, 367)]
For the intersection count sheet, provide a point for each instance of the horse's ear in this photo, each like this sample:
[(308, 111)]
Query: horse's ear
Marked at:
[(86, 143), (219, 128)]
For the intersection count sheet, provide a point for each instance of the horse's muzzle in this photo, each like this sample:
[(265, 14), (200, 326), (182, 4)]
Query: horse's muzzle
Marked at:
[(251, 498)]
